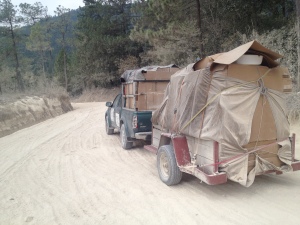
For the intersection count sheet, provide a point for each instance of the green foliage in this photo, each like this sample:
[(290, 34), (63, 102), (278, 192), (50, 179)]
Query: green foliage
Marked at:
[(10, 21), (63, 26), (110, 36), (178, 31), (283, 40), (168, 30), (60, 66), (103, 40), (33, 13), (38, 41)]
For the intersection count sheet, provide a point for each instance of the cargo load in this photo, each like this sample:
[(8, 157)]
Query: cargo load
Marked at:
[(236, 101), (144, 88)]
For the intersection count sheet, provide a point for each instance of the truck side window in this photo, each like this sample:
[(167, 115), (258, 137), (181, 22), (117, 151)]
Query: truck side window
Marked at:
[(116, 101), (120, 102)]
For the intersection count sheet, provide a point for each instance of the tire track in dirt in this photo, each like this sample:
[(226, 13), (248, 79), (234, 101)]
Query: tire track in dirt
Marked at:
[(68, 171)]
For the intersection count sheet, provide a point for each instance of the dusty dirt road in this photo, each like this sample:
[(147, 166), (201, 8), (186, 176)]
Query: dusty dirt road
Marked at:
[(66, 170)]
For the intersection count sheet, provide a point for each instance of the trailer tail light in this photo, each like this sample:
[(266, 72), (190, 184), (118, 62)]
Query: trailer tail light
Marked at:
[(134, 122)]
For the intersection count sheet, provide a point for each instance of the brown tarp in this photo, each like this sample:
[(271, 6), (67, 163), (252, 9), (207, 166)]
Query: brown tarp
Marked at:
[(235, 105)]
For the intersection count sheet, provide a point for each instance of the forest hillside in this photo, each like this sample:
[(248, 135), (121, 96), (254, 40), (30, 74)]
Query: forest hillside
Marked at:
[(90, 47)]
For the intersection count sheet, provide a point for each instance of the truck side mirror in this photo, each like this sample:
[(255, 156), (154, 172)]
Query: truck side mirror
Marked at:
[(108, 104)]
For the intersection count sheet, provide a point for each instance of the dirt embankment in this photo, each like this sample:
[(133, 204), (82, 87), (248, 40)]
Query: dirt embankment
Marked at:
[(30, 110)]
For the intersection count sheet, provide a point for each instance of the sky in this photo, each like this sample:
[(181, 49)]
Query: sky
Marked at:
[(52, 4)]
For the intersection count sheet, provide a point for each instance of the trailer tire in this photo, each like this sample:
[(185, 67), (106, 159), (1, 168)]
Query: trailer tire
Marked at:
[(124, 142), (168, 170), (108, 130)]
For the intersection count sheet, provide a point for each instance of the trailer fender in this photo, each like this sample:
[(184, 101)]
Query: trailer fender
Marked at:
[(180, 146), (181, 150)]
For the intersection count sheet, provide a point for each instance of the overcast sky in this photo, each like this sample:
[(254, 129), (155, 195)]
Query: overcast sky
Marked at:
[(52, 4)]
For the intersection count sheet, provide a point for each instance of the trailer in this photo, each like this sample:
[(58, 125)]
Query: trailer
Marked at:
[(173, 158), (224, 117)]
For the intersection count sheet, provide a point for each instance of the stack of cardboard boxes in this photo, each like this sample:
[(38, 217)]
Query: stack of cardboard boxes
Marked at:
[(263, 129), (239, 106), (147, 94)]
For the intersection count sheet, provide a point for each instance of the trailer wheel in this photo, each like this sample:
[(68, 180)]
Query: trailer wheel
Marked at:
[(108, 130), (124, 141), (168, 170)]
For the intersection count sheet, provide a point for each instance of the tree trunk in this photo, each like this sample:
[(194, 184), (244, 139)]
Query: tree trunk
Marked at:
[(43, 64), (298, 40), (65, 62), (254, 15), (200, 27), (65, 71), (17, 66)]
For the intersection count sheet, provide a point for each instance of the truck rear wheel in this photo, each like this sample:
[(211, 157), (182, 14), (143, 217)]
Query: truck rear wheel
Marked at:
[(124, 141), (107, 128), (168, 170)]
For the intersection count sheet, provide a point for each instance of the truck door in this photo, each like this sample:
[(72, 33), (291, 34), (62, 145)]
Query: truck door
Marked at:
[(116, 110)]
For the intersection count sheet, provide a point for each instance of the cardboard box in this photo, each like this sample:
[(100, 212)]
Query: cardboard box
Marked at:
[(253, 47), (160, 75), (168, 69), (146, 87), (287, 85), (269, 153), (147, 96), (149, 101), (263, 123), (202, 63), (273, 80), (273, 160), (128, 88), (129, 102), (286, 73)]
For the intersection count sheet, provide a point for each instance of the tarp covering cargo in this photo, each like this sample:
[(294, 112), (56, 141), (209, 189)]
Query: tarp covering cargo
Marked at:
[(138, 74), (241, 107)]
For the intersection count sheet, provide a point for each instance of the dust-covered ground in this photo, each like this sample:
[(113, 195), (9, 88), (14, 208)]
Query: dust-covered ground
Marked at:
[(66, 170)]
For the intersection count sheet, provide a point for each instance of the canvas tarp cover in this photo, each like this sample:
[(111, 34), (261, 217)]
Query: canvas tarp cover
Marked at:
[(228, 105), (138, 74)]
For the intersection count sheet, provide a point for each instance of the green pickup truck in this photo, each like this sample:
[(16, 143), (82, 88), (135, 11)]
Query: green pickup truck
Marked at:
[(132, 124), (142, 92)]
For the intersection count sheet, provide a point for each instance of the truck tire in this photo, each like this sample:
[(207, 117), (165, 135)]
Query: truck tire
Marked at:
[(125, 143), (108, 130), (168, 170)]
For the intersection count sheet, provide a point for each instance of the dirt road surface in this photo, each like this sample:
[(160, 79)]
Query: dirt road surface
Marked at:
[(66, 170)]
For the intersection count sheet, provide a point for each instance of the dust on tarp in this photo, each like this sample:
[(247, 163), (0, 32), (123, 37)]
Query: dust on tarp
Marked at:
[(241, 107), (139, 74)]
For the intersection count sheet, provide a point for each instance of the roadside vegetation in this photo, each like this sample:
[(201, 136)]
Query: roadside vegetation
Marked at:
[(88, 48)]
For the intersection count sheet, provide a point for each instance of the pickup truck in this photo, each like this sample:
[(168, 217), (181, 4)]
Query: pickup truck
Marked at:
[(142, 92), (132, 124)]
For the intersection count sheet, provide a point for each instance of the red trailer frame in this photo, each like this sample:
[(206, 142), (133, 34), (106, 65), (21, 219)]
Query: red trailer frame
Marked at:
[(184, 161)]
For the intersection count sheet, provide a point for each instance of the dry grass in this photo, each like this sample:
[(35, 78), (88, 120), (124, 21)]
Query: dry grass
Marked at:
[(293, 106), (44, 89), (98, 95)]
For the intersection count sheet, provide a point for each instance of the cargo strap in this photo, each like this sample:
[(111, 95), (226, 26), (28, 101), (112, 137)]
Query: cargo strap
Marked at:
[(229, 160), (217, 95)]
